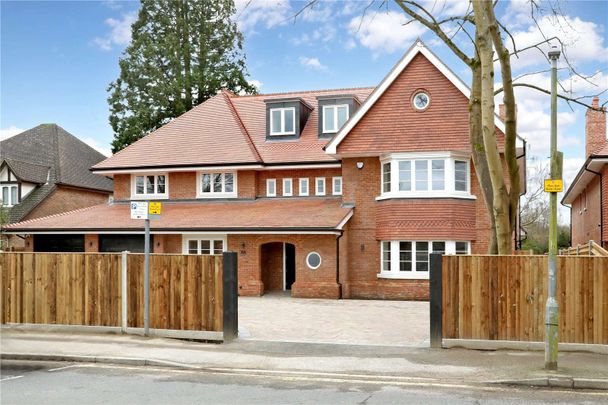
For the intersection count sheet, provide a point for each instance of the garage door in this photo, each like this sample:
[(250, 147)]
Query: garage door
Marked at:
[(120, 243), (58, 243)]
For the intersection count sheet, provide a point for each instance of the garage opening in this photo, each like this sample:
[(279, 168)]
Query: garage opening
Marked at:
[(120, 243), (59, 243), (278, 264)]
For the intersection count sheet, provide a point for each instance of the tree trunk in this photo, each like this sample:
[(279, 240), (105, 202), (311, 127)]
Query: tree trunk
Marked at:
[(510, 116), (185, 31), (478, 151), (501, 196)]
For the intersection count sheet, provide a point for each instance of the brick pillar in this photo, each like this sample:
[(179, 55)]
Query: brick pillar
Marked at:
[(91, 243), (29, 243), (160, 244), (595, 129)]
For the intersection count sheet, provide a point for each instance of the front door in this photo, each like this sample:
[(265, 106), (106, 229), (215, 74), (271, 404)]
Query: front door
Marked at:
[(290, 265)]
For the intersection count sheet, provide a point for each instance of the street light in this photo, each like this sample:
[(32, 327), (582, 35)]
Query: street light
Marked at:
[(552, 309)]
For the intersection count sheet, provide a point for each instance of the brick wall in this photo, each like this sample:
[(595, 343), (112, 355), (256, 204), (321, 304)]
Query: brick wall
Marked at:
[(272, 262), (586, 222), (319, 283), (595, 129), (91, 243), (67, 199), (167, 243), (295, 175), (604, 192), (122, 186)]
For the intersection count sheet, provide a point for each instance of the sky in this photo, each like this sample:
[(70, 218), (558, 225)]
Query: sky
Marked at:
[(57, 58)]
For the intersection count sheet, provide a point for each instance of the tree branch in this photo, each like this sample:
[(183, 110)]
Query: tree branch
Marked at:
[(563, 97)]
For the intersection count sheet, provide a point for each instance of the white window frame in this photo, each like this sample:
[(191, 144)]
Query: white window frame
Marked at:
[(303, 180), (10, 202), (283, 111), (146, 196), (216, 194), (199, 237), (449, 167), (290, 182), (333, 185), (334, 112), (268, 183), (317, 192), (450, 249)]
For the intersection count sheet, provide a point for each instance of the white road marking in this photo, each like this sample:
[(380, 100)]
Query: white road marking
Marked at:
[(63, 368), (264, 373), (11, 378)]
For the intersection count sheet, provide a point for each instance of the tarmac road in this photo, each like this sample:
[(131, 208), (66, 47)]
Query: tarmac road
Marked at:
[(29, 382)]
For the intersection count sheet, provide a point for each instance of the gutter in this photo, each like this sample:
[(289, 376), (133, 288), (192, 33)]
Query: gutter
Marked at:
[(338, 263)]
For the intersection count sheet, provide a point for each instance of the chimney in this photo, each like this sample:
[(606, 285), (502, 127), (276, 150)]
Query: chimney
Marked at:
[(501, 111), (595, 129)]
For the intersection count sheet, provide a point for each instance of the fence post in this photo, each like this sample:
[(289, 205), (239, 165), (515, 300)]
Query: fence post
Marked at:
[(124, 320), (435, 298), (231, 313)]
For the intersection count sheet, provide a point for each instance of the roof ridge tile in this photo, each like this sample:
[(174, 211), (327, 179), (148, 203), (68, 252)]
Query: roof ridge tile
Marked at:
[(227, 95)]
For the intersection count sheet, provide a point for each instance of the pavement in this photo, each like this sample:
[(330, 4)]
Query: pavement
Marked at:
[(405, 364)]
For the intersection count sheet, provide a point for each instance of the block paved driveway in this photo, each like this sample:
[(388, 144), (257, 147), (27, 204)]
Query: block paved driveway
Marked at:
[(278, 317)]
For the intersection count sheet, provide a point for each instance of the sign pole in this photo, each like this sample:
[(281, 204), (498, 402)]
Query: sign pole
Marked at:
[(147, 278), (552, 308)]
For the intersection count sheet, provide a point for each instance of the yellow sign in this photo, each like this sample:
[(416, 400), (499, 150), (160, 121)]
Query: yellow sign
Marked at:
[(154, 208), (554, 186)]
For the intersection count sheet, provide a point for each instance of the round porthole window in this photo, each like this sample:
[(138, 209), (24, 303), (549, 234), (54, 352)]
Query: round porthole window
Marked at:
[(313, 260), (421, 100)]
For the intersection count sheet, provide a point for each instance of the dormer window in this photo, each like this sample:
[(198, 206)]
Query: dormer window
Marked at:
[(282, 121), (334, 117), (10, 195)]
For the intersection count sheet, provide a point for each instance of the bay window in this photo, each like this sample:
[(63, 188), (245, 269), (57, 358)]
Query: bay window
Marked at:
[(150, 186), (411, 259), (216, 185), (424, 175)]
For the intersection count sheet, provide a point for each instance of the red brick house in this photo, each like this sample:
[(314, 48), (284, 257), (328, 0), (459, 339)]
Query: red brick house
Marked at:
[(588, 193), (45, 171), (331, 193)]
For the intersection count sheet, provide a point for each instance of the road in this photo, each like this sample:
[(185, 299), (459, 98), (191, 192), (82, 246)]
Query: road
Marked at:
[(24, 382)]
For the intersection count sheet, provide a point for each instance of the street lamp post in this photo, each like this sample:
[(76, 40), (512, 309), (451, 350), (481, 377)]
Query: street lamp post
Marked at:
[(551, 310)]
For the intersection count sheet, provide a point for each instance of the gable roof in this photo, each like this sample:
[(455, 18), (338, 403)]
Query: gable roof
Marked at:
[(49, 155), (27, 172), (417, 48), (592, 166)]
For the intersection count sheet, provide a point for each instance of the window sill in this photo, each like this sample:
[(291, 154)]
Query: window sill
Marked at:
[(150, 197), (411, 196), (404, 277), (216, 195)]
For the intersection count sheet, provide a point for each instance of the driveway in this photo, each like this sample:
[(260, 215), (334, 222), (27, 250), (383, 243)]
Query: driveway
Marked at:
[(278, 317)]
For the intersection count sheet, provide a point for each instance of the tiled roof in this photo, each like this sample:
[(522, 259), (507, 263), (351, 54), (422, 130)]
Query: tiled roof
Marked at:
[(28, 172), (68, 157), (228, 129), (261, 214), (48, 155)]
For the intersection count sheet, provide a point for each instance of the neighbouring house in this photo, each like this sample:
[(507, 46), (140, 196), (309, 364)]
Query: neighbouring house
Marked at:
[(45, 171), (330, 193), (587, 196)]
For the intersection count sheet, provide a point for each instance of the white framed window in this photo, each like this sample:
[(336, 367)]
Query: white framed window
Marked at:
[(425, 175), (410, 259), (320, 186), (10, 195), (313, 260), (303, 186), (283, 121), (146, 186), (334, 117), (336, 185), (271, 187), (216, 185), (287, 187), (204, 244)]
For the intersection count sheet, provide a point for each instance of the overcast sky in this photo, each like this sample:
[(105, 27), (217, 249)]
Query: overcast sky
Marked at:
[(59, 57)]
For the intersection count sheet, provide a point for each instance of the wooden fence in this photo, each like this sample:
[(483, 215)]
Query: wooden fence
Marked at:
[(503, 298), (106, 290), (588, 249)]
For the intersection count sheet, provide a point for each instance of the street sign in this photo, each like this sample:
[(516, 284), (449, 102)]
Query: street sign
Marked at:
[(154, 208), (554, 186), (139, 210)]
